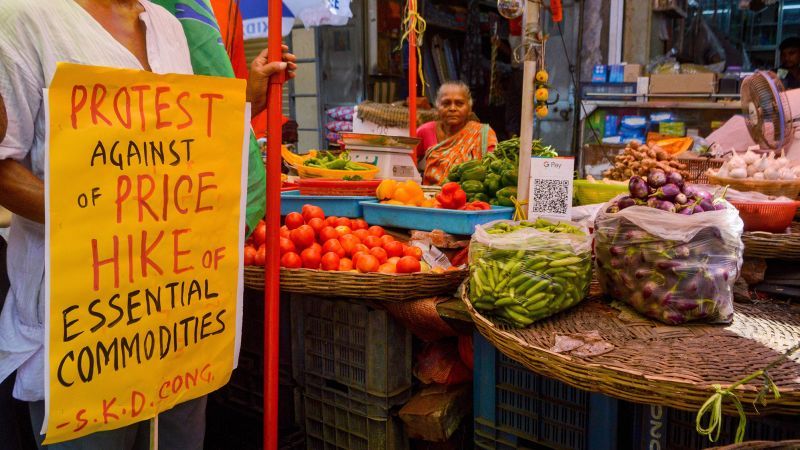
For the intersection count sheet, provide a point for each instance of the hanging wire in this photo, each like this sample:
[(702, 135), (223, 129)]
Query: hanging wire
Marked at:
[(414, 23)]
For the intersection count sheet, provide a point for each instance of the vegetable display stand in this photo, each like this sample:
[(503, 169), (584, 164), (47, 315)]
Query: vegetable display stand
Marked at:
[(429, 219), (652, 363), (656, 426), (372, 286), (337, 188), (349, 206), (367, 172), (515, 408), (786, 246), (777, 188)]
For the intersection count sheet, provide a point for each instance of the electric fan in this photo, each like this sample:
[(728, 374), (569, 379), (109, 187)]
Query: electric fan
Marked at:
[(768, 115)]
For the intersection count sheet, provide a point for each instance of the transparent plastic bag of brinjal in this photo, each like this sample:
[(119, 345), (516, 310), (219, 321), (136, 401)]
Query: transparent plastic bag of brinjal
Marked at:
[(526, 271), (668, 266)]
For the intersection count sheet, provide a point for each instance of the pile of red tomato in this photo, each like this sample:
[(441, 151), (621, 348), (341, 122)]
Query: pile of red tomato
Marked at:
[(312, 241)]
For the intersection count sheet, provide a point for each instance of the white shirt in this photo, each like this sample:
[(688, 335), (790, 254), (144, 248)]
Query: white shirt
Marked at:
[(34, 36)]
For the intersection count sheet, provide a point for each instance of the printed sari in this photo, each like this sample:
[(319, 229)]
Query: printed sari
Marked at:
[(472, 142)]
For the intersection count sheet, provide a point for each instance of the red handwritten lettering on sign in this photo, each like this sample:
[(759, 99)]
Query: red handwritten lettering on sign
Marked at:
[(115, 108)]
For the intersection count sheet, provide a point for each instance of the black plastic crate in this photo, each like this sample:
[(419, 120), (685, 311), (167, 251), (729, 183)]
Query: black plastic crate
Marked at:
[(516, 408), (350, 343), (655, 426), (337, 421)]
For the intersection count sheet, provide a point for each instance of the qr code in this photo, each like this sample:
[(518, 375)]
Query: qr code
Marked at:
[(550, 196)]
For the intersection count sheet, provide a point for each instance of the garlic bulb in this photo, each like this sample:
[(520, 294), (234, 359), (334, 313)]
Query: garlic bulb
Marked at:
[(739, 172), (758, 176), (771, 173), (763, 163), (750, 157), (723, 171), (752, 169), (736, 162), (796, 170), (782, 162), (786, 174)]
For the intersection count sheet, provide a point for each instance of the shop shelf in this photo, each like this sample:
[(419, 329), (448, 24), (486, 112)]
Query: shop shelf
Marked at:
[(292, 201), (655, 426), (516, 408), (429, 219), (353, 345), (336, 421)]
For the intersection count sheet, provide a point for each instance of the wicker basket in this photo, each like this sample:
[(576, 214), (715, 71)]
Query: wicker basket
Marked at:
[(777, 188), (698, 168), (338, 188), (657, 364), (786, 246), (373, 286), (762, 445)]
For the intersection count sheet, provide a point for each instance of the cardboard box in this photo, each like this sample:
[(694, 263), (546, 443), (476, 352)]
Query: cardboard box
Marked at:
[(435, 413), (683, 83), (631, 73), (600, 74)]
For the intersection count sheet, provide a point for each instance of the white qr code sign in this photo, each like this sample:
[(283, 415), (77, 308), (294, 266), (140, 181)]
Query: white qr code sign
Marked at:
[(551, 188)]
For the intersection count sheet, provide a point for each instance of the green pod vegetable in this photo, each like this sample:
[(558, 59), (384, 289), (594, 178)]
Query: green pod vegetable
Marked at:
[(505, 301), (518, 280), (536, 288), (566, 261), (520, 319)]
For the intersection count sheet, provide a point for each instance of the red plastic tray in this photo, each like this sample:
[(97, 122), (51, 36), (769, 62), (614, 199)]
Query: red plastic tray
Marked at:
[(338, 188), (773, 217)]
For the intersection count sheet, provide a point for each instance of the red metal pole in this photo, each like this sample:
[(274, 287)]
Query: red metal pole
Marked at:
[(272, 309), (412, 71)]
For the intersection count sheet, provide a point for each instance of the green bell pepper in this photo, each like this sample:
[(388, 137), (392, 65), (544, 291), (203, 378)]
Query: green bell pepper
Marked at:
[(509, 178), (492, 184), (472, 186), (504, 196), (480, 196), (473, 173), (498, 166)]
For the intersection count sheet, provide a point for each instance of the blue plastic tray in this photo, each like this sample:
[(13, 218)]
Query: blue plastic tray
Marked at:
[(429, 219), (292, 201)]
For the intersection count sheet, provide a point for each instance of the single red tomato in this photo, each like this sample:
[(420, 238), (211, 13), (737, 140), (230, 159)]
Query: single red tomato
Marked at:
[(261, 256), (317, 224), (331, 221), (349, 242), (386, 238), (285, 232), (294, 220), (342, 230), (312, 212), (302, 236), (330, 261), (393, 248), (344, 222), (373, 241), (345, 264), (361, 233), (311, 258), (387, 267), (249, 255), (316, 246), (375, 230), (287, 246), (416, 252), (379, 253), (260, 233), (408, 264), (394, 260), (367, 263), (360, 248), (358, 255), (359, 224), (327, 234), (334, 246), (291, 261)]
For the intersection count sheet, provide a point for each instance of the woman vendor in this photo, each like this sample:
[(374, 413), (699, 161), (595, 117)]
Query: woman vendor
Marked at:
[(453, 138)]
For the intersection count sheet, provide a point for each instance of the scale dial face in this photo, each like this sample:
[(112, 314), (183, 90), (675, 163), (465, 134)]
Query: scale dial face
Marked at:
[(510, 9)]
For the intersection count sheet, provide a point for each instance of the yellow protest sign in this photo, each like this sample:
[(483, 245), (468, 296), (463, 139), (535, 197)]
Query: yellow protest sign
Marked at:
[(145, 205)]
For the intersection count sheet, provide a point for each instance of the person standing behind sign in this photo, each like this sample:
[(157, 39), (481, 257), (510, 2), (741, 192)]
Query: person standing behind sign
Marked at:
[(34, 37)]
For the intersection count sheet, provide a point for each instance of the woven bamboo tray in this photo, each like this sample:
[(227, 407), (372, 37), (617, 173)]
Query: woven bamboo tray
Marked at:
[(777, 188), (653, 363), (697, 168), (760, 244), (373, 286)]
